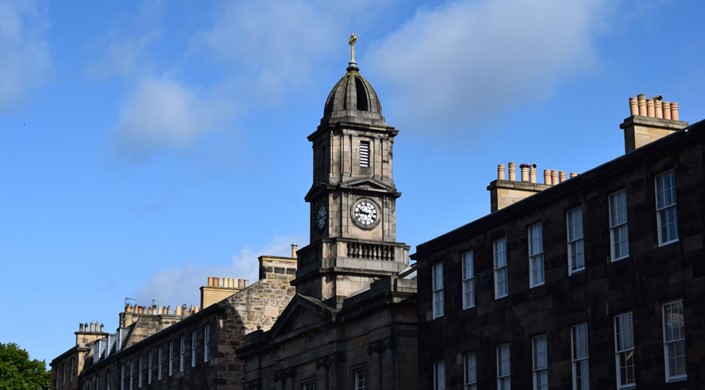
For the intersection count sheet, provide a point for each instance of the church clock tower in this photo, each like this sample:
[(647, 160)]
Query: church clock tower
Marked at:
[(353, 196)]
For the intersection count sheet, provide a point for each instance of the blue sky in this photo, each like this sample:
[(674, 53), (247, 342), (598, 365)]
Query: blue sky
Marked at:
[(146, 145)]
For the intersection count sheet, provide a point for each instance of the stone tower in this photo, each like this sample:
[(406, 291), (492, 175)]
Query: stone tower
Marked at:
[(353, 196)]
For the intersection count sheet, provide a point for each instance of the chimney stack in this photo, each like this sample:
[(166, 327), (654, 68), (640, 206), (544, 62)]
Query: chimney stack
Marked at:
[(505, 192), (650, 120)]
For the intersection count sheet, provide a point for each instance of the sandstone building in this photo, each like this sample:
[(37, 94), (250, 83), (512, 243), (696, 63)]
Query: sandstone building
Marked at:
[(583, 281), (352, 322), (594, 281), (184, 348), (340, 313)]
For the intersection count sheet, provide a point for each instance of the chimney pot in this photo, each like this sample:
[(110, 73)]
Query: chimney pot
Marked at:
[(641, 98), (633, 107), (294, 247), (658, 107), (500, 172), (547, 177), (524, 172), (674, 111), (650, 108), (512, 171), (666, 110), (532, 173)]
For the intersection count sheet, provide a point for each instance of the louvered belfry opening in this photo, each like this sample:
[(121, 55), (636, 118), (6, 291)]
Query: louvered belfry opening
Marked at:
[(362, 104)]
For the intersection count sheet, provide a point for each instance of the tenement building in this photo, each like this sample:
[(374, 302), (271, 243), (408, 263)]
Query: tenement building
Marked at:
[(590, 281), (181, 348), (352, 322)]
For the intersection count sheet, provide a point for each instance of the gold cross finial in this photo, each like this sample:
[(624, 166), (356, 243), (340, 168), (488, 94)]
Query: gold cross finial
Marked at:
[(351, 42)]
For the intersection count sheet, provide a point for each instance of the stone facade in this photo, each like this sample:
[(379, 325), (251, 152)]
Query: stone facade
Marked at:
[(625, 289), (352, 324), (190, 349), (371, 339)]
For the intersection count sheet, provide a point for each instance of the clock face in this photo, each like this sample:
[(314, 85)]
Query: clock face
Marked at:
[(365, 214), (321, 217)]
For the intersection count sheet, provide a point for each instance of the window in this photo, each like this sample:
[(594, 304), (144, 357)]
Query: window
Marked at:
[(619, 240), (503, 368), (579, 352), (107, 380), (624, 350), (170, 369), (194, 345), (139, 373), (501, 271), (470, 371), (132, 374), (122, 376), (437, 286), (309, 385), (539, 361), (468, 280), (536, 255), (576, 255), (149, 367), (439, 375), (674, 341), (364, 154), (160, 360), (360, 379), (182, 352), (206, 342), (666, 213)]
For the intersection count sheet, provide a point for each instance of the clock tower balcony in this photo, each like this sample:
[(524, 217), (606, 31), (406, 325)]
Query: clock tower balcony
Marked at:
[(345, 257)]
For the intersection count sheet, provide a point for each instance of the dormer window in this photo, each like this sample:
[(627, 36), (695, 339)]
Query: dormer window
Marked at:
[(365, 154)]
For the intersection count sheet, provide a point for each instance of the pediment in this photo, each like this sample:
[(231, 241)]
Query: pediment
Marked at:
[(314, 191), (302, 314), (359, 184), (369, 184)]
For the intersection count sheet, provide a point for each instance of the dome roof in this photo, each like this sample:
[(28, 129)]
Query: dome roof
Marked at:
[(353, 97)]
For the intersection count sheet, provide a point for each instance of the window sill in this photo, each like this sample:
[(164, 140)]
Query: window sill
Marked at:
[(662, 244), (677, 379)]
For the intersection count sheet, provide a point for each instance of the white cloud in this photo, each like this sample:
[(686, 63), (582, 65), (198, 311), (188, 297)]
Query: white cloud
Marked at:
[(124, 52), (276, 46), (179, 286), (25, 61), (164, 113), (124, 57), (469, 60)]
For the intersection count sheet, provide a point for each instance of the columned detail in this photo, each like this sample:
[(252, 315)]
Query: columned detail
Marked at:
[(353, 196)]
